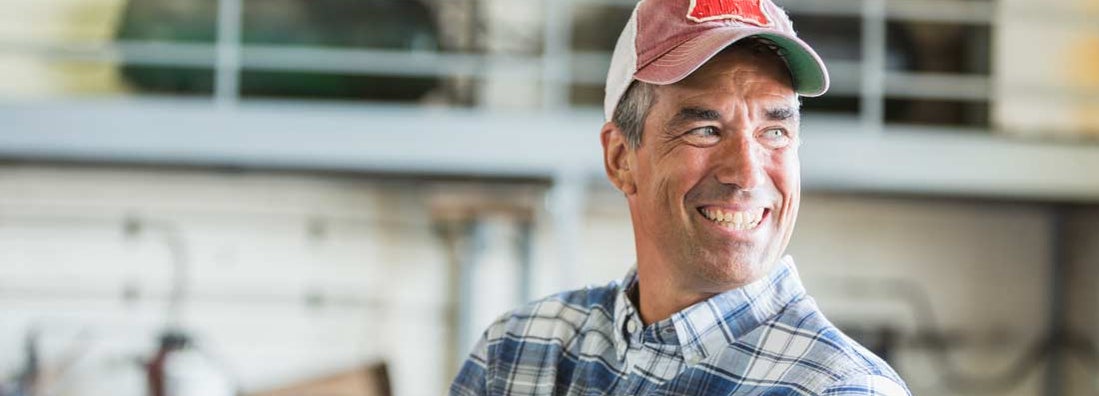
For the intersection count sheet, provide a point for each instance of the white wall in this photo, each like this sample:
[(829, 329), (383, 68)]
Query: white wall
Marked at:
[(252, 264), (65, 261)]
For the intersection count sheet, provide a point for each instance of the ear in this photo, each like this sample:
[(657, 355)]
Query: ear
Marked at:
[(616, 158)]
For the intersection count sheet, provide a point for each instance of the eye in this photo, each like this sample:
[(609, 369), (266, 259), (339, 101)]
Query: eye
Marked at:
[(776, 138), (702, 135), (704, 131)]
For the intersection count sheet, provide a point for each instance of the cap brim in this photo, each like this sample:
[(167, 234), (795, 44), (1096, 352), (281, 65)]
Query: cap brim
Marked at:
[(808, 70)]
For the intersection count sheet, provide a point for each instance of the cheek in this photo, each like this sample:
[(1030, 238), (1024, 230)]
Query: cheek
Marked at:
[(785, 172), (679, 171)]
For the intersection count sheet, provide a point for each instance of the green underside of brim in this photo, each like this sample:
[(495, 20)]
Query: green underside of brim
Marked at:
[(808, 76)]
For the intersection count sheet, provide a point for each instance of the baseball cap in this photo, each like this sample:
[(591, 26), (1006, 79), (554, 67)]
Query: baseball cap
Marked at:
[(667, 40)]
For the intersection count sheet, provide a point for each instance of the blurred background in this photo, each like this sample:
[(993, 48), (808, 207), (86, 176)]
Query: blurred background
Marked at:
[(335, 197)]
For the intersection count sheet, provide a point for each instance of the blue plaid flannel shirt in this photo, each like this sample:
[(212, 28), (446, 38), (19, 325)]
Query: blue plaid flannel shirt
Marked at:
[(766, 338)]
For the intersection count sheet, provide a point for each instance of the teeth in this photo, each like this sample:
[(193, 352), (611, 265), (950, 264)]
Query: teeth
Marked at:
[(736, 220)]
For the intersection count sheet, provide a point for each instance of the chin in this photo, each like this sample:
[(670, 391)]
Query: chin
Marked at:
[(721, 275)]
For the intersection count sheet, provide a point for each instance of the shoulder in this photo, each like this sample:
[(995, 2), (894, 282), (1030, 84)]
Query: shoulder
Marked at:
[(867, 384), (558, 317), (836, 364), (856, 370), (526, 350)]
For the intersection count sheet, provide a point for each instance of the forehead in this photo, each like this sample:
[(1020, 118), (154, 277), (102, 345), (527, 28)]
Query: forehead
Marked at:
[(738, 72)]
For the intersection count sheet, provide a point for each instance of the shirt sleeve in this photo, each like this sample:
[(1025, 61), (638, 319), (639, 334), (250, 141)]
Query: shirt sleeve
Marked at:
[(472, 378), (867, 385)]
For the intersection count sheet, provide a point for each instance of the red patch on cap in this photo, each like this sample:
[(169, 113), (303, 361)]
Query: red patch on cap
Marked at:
[(747, 11)]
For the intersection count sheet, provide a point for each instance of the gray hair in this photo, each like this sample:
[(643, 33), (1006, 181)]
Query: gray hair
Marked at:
[(632, 110)]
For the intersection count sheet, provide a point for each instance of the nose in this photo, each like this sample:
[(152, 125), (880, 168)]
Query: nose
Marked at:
[(740, 163)]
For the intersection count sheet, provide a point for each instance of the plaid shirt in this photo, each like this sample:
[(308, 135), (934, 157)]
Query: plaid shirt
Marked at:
[(767, 337)]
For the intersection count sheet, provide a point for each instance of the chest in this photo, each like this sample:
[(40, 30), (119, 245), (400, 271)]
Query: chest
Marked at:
[(591, 366)]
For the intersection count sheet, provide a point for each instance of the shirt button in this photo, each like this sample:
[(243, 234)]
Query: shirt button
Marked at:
[(631, 327)]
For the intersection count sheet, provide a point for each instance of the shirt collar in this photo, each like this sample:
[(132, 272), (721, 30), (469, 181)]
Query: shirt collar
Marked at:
[(624, 312), (711, 325)]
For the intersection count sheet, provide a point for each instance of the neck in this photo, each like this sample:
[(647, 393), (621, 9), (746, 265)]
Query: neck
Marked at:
[(661, 293)]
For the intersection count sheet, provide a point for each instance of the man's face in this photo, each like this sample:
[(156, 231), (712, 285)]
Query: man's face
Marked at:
[(717, 175)]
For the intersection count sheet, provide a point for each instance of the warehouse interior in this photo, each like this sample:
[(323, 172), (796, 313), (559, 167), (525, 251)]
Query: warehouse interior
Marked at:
[(292, 197)]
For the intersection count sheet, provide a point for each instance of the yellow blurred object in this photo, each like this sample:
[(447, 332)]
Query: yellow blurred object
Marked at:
[(1085, 65), (1084, 61), (58, 23), (368, 380)]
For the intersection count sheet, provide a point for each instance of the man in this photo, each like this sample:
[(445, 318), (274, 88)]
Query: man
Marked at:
[(702, 138)]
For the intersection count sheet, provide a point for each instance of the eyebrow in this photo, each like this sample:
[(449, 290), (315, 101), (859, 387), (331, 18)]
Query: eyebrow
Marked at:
[(781, 113), (690, 114)]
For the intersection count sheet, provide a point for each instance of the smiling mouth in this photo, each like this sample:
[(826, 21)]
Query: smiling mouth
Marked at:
[(734, 220)]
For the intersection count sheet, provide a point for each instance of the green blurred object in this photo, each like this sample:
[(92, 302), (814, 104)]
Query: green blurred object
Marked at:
[(347, 24)]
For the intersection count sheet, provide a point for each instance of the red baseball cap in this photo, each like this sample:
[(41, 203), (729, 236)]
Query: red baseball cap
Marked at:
[(667, 40)]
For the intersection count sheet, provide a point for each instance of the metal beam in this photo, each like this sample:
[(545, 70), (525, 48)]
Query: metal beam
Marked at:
[(227, 72), (839, 154), (872, 94)]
